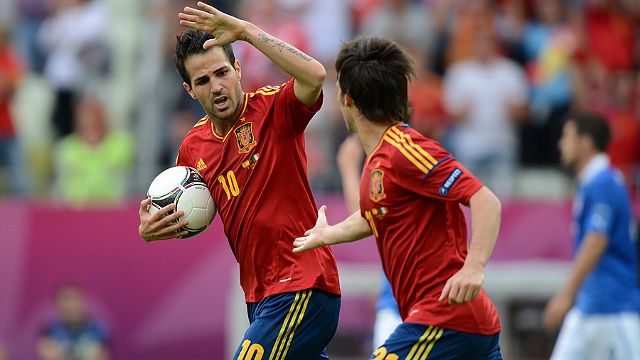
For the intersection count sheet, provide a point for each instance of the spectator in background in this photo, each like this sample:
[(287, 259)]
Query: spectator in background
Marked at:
[(31, 16), (3, 353), (486, 96), (93, 163), (405, 21), (428, 115), (612, 33), (622, 113), (549, 45), (74, 44), (601, 294), (459, 22), (73, 335), (278, 20), (11, 163)]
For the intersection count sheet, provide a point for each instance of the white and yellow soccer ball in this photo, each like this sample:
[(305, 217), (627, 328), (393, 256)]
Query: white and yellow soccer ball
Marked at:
[(185, 187)]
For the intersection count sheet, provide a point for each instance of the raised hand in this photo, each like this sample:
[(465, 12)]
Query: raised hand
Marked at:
[(225, 28), (160, 226)]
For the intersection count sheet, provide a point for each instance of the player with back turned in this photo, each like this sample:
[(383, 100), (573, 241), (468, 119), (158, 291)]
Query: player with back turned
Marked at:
[(410, 195), (250, 150)]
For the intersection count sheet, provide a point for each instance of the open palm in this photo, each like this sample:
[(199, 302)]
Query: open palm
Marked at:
[(225, 28), (313, 238)]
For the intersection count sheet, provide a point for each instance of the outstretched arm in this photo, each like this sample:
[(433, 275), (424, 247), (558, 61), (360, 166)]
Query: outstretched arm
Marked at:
[(350, 229), (485, 223), (309, 74)]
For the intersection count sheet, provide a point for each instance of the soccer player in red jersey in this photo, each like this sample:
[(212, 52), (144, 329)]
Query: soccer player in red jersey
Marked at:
[(250, 150), (410, 195)]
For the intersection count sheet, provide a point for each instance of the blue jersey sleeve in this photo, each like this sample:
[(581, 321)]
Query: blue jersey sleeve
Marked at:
[(599, 215)]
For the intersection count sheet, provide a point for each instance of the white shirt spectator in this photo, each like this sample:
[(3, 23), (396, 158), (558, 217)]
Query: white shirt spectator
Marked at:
[(486, 91), (65, 36)]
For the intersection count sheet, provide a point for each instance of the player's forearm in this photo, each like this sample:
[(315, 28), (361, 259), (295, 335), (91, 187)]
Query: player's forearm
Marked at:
[(294, 62), (350, 229), (590, 252), (486, 211)]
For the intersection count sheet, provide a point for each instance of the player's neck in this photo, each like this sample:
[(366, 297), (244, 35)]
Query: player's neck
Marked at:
[(371, 133)]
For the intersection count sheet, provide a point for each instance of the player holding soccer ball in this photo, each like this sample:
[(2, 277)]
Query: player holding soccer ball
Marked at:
[(250, 150), (410, 195)]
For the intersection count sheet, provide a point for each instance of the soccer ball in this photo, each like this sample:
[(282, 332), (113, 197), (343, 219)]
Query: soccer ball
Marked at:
[(185, 187)]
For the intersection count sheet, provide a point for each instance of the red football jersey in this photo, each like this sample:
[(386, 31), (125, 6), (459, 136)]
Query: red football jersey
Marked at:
[(257, 175), (410, 193)]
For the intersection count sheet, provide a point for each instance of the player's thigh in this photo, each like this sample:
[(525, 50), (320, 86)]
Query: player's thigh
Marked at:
[(579, 337), (615, 337), (421, 342), (294, 326)]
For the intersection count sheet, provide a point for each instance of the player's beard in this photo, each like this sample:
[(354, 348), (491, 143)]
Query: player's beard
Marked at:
[(229, 113)]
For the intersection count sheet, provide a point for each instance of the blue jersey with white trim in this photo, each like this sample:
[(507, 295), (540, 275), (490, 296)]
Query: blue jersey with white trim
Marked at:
[(603, 205)]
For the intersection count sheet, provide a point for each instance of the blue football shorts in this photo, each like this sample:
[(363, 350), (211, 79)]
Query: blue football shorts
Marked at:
[(292, 325), (412, 341)]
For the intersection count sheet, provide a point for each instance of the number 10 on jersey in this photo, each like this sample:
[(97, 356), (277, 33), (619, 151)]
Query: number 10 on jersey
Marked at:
[(229, 184)]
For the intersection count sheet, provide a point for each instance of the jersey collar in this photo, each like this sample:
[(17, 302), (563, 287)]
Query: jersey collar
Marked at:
[(223, 138), (593, 167)]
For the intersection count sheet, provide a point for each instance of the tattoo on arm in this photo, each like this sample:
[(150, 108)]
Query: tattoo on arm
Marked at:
[(282, 46)]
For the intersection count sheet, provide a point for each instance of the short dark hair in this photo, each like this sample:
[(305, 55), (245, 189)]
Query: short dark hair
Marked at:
[(190, 42), (375, 72), (593, 126)]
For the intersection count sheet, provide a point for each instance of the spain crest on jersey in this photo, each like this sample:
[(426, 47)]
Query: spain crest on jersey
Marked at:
[(376, 187), (245, 138)]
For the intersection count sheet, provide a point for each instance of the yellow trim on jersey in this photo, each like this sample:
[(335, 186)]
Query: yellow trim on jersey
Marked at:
[(402, 140), (290, 324), (267, 90), (431, 344), (380, 142), (201, 122), (244, 108), (417, 147), (404, 152)]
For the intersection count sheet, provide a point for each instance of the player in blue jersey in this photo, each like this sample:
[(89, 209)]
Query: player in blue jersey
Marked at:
[(600, 298)]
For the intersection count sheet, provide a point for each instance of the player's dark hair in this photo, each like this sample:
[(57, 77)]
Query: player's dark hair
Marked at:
[(593, 126), (375, 72), (189, 43)]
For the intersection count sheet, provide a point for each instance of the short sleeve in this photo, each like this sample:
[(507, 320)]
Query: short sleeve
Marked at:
[(439, 176), (182, 159), (599, 215), (292, 110)]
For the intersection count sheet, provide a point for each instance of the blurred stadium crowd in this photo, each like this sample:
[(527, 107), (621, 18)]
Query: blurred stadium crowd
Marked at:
[(91, 107)]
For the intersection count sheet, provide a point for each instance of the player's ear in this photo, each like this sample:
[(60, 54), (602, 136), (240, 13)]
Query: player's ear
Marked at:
[(188, 89), (347, 100), (236, 65)]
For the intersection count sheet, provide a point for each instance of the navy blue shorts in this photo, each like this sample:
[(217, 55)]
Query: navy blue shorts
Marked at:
[(421, 342), (293, 325)]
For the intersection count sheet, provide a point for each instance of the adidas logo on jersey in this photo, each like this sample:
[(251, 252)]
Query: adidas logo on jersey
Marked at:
[(201, 165)]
